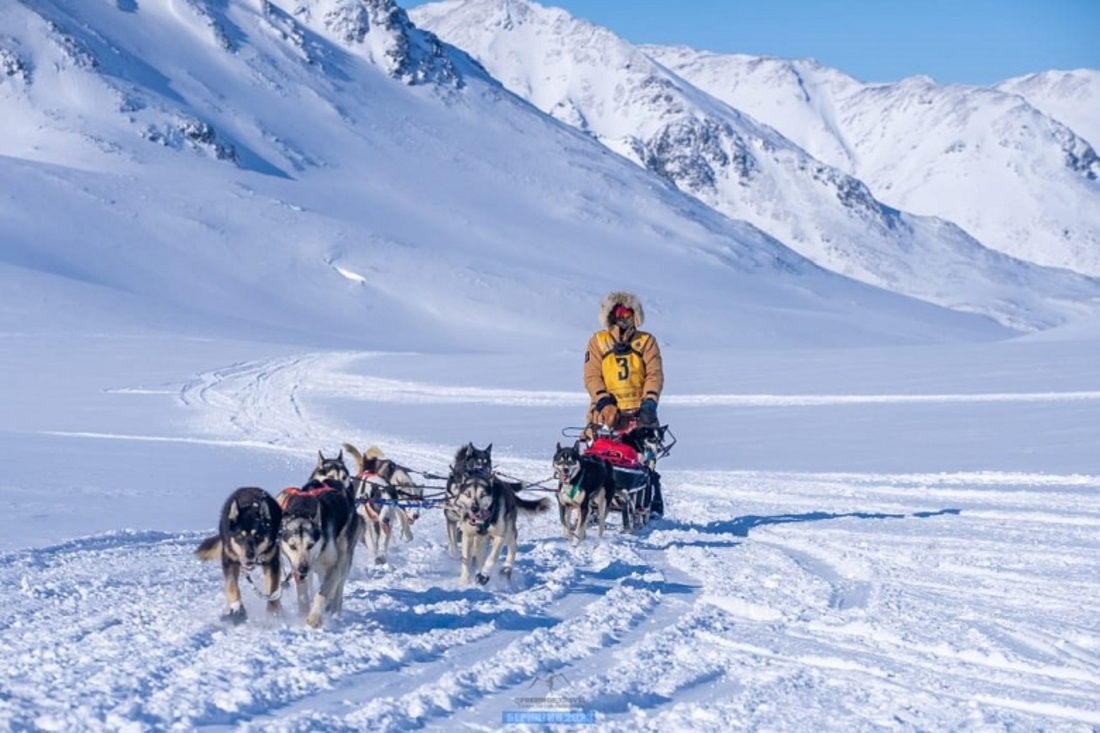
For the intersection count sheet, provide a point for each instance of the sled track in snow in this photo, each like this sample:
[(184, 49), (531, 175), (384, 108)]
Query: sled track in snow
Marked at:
[(769, 596)]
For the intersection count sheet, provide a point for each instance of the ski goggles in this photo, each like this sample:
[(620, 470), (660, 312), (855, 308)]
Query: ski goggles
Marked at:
[(622, 312)]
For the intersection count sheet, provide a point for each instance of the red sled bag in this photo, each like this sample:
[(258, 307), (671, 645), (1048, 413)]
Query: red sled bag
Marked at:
[(613, 451)]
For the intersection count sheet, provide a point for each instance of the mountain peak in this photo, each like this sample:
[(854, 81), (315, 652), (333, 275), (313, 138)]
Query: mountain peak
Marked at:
[(381, 31)]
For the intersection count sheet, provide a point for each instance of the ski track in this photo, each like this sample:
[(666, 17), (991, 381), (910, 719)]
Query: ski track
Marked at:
[(742, 599)]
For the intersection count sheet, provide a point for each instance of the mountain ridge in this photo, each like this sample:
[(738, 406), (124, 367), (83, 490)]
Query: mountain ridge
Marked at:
[(588, 77), (389, 214)]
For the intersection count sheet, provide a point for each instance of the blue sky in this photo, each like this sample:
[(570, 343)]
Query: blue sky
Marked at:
[(953, 41)]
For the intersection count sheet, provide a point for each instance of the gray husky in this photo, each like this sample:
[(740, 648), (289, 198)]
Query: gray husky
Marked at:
[(488, 509), (381, 487), (248, 535), (469, 461), (318, 535)]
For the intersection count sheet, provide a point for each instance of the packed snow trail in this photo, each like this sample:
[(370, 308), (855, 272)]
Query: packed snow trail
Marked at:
[(763, 600)]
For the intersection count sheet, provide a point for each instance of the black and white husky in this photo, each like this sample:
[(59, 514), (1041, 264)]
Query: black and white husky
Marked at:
[(584, 484), (469, 461), (488, 509), (318, 534), (383, 490), (331, 469), (248, 535)]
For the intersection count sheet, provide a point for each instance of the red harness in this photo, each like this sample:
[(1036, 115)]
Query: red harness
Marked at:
[(295, 491)]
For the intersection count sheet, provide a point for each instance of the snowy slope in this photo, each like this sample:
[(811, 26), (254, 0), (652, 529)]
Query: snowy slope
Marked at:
[(589, 78), (236, 233), (1018, 180), (1071, 97), (179, 137)]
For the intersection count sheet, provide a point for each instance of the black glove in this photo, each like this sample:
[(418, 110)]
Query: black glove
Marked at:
[(606, 411), (607, 399), (647, 415)]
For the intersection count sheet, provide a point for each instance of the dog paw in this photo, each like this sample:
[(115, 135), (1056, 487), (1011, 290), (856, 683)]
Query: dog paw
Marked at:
[(407, 536), (235, 616), (380, 560), (313, 620), (275, 608), (482, 579), (506, 573)]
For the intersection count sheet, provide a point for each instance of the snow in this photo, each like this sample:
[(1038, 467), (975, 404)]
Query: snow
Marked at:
[(881, 514), (1011, 164), (916, 551)]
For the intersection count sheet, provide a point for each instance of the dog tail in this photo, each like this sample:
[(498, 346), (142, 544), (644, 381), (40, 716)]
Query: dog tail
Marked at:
[(356, 455), (210, 549), (533, 507), (374, 452)]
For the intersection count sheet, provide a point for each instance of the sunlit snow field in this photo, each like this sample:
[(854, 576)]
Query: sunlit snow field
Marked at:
[(898, 538)]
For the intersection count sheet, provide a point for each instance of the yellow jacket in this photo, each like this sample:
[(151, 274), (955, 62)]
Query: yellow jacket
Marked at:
[(621, 360)]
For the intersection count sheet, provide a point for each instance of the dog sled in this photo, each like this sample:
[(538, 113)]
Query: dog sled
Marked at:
[(631, 455)]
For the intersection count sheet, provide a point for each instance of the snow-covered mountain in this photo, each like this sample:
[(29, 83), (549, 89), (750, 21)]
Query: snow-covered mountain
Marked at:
[(589, 78), (1012, 175), (235, 233), (295, 140), (1071, 97)]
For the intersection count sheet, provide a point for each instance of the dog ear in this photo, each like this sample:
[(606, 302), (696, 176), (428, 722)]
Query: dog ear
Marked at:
[(234, 512), (558, 448), (489, 449), (320, 459), (265, 511)]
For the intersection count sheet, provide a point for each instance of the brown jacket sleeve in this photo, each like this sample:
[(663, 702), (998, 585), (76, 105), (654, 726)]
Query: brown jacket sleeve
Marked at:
[(593, 370), (654, 370)]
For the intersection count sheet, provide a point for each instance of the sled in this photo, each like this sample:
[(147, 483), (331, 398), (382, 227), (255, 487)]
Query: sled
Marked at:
[(632, 455)]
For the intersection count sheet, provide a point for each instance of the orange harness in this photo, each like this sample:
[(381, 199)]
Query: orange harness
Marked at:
[(291, 491)]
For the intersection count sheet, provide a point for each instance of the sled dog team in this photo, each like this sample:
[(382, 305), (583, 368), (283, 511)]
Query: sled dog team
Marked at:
[(313, 530)]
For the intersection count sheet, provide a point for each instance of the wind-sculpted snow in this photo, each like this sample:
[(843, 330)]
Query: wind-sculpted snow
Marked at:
[(765, 599)]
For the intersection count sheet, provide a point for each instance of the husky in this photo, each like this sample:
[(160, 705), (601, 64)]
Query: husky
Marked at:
[(649, 442), (248, 535), (469, 461), (318, 534), (488, 509), (380, 487), (328, 470), (584, 484), (331, 469)]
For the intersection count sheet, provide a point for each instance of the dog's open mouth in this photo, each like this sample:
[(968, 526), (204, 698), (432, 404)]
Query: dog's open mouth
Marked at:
[(479, 517)]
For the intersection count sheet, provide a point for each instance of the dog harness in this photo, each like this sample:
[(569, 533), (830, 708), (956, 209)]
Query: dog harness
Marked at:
[(292, 491), (622, 367), (367, 502)]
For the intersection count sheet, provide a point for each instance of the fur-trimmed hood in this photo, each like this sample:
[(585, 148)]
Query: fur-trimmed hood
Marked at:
[(630, 300)]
